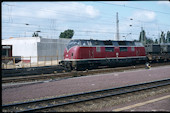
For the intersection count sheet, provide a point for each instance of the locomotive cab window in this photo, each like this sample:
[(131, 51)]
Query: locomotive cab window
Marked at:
[(109, 49), (123, 49)]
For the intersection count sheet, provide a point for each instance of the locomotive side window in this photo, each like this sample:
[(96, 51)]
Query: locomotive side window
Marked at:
[(98, 49), (123, 48), (132, 49), (109, 49)]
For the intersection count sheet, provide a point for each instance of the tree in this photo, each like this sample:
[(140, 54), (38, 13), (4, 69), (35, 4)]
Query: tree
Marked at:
[(67, 34)]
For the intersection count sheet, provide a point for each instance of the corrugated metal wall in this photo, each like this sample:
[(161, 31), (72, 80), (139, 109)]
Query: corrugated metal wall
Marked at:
[(51, 47)]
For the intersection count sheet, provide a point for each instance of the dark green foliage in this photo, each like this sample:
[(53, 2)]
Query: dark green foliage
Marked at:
[(68, 34)]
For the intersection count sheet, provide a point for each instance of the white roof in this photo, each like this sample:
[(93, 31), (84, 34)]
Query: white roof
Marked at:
[(20, 40)]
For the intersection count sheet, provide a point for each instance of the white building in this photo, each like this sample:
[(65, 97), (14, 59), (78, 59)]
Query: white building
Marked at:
[(36, 46)]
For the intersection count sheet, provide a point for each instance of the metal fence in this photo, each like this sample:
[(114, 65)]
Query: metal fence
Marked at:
[(22, 62)]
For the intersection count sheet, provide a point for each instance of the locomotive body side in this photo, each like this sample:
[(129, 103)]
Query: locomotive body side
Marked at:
[(87, 56)]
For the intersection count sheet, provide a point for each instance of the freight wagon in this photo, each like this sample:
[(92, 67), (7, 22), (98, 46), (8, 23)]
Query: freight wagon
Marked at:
[(158, 52)]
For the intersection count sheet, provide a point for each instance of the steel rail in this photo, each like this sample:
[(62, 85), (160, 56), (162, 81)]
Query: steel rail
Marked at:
[(167, 82)]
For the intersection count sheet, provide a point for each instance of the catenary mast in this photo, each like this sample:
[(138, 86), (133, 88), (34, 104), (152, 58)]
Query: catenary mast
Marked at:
[(117, 27)]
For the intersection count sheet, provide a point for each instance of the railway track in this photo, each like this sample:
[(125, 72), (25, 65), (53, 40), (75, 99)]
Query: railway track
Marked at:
[(53, 103), (73, 74)]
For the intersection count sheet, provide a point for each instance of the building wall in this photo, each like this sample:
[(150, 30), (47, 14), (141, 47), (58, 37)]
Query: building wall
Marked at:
[(23, 46), (36, 47), (51, 47)]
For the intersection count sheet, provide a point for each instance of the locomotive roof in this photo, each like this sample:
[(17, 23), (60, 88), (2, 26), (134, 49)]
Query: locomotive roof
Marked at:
[(85, 42)]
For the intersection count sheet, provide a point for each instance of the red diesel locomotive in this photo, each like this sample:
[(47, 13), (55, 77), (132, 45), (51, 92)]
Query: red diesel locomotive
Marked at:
[(86, 54)]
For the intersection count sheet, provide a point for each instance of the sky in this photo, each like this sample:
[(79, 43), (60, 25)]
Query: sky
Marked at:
[(88, 19)]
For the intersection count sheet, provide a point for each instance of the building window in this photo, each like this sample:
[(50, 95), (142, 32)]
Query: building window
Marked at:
[(5, 52), (109, 49), (123, 48), (98, 49)]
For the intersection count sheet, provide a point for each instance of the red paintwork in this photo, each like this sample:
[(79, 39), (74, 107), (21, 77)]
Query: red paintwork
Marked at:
[(90, 52), (26, 61)]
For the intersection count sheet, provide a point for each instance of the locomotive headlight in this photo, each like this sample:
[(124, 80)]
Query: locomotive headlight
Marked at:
[(66, 55)]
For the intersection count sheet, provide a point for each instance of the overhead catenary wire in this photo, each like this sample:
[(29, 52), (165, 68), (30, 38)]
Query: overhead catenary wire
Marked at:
[(160, 24), (167, 13)]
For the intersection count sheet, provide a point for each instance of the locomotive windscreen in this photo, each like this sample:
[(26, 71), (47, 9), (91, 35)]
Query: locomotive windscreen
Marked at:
[(73, 43)]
